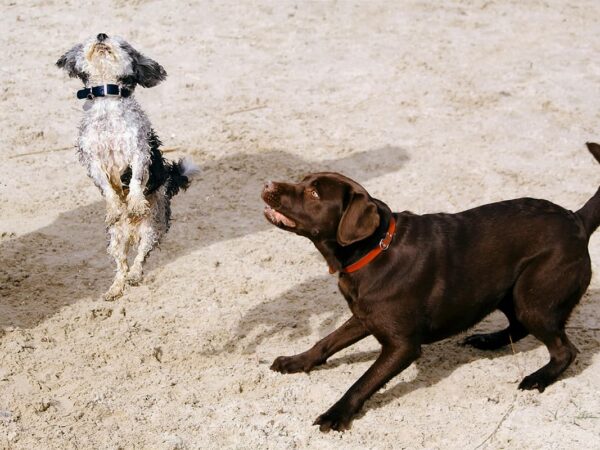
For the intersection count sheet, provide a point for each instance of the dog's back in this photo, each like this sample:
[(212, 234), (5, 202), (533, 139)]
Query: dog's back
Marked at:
[(479, 255)]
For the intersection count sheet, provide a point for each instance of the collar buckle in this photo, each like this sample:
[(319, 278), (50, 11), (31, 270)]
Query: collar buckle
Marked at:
[(108, 94), (384, 243)]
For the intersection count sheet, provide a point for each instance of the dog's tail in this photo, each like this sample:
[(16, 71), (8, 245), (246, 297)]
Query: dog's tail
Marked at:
[(179, 175), (590, 212)]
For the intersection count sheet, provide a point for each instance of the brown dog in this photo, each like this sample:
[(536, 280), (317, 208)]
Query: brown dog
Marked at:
[(411, 280)]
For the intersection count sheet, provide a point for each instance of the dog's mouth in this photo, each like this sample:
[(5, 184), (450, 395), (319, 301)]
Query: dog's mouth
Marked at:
[(271, 197), (101, 49), (278, 219)]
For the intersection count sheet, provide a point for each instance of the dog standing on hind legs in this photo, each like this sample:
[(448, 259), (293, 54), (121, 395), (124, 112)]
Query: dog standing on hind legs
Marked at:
[(121, 151)]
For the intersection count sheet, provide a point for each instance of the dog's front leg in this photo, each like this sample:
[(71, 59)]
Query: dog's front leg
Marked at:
[(114, 205), (394, 358), (350, 332), (137, 205)]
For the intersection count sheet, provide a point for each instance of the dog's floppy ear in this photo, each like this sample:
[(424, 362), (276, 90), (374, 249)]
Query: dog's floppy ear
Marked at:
[(147, 72), (68, 61), (359, 220)]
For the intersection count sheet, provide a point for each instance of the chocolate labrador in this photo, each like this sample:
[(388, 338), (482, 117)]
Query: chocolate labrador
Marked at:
[(415, 279)]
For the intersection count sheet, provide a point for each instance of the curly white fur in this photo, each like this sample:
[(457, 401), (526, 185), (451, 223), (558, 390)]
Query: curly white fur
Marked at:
[(115, 139)]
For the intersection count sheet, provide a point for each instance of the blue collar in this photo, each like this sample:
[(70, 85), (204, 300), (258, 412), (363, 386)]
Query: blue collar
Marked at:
[(104, 90)]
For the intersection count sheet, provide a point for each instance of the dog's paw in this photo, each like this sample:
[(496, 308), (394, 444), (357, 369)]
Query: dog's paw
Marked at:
[(134, 276), (114, 211), (137, 206), (292, 364), (484, 341), (115, 291), (338, 418), (533, 381)]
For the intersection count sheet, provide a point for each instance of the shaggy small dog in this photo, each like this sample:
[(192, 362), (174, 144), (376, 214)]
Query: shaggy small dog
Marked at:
[(121, 151)]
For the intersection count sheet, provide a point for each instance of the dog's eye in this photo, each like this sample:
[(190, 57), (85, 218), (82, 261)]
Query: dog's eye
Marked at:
[(314, 194)]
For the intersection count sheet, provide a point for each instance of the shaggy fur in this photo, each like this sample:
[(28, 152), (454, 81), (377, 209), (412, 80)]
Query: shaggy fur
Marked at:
[(121, 152)]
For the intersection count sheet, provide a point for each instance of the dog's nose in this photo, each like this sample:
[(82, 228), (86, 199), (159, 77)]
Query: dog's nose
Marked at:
[(101, 37)]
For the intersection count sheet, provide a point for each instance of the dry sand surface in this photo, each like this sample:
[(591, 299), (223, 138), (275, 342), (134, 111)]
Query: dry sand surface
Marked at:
[(433, 106)]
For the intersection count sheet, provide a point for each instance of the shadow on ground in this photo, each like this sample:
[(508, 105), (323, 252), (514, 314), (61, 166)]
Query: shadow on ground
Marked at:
[(292, 313), (45, 270)]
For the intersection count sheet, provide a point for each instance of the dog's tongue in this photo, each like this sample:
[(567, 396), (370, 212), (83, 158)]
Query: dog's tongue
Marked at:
[(278, 217)]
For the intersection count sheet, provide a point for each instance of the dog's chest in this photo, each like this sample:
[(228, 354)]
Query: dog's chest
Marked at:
[(350, 293), (109, 135)]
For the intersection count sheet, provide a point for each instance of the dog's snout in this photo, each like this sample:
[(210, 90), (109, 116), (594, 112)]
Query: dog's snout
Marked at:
[(101, 37), (270, 194)]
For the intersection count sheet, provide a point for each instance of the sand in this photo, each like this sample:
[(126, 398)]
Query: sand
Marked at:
[(433, 106)]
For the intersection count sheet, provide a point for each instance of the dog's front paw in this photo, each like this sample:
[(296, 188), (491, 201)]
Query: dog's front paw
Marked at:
[(137, 206), (292, 364), (114, 211), (338, 418)]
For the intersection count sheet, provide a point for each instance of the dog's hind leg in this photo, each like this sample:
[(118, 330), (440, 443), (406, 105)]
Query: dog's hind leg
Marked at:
[(147, 241), (149, 231), (118, 246), (562, 354), (493, 341), (545, 295)]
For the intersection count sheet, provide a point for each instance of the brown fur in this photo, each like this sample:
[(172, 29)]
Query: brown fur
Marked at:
[(442, 274)]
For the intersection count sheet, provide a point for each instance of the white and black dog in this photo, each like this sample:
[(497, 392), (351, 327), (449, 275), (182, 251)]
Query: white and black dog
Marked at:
[(121, 151)]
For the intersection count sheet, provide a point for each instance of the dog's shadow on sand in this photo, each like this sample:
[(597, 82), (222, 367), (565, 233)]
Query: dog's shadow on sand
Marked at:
[(55, 266), (312, 302)]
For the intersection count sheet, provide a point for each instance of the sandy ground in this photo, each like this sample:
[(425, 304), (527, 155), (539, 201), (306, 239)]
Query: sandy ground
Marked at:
[(432, 108)]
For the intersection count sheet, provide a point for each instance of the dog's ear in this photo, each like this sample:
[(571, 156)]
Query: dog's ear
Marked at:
[(594, 150), (68, 61), (359, 220), (146, 72)]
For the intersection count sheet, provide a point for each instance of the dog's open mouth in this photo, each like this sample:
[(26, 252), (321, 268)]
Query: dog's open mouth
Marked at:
[(276, 218)]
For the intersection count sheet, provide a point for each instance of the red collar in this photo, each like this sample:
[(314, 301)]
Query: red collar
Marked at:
[(384, 243)]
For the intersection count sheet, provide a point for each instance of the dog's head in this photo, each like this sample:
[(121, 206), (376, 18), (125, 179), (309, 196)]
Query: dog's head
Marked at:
[(103, 59), (322, 207)]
